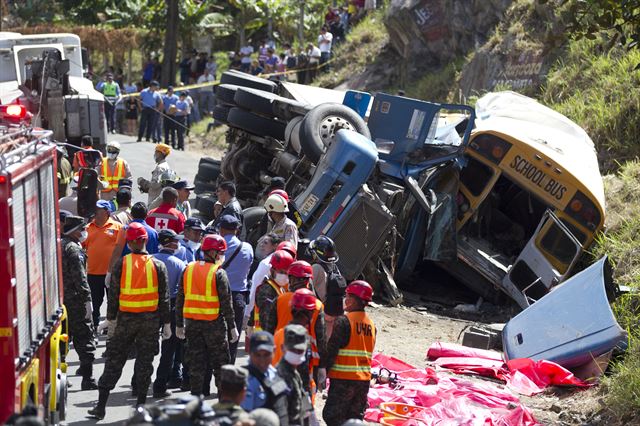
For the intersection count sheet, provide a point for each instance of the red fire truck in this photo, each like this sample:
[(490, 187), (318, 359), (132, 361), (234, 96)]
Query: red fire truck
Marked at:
[(33, 336)]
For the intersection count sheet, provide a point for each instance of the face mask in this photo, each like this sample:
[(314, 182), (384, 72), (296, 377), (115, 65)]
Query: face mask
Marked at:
[(193, 245), (112, 155), (83, 236), (281, 279), (294, 358), (167, 248)]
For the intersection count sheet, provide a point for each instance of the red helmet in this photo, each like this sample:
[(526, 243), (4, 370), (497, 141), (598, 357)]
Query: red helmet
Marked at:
[(281, 260), (289, 247), (214, 242), (361, 289), (303, 299), (300, 269), (280, 192), (136, 231)]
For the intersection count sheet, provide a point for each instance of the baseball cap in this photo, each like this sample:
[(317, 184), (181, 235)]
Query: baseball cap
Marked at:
[(168, 235), (230, 222), (194, 222), (295, 337), (234, 376), (104, 204), (71, 223), (183, 184), (261, 341)]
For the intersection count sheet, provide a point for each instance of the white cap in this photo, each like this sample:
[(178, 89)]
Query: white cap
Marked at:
[(114, 144)]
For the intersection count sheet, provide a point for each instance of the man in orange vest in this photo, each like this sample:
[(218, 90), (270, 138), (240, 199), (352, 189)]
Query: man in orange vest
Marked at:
[(300, 273), (348, 358), (204, 315), (138, 302), (268, 290), (87, 157), (112, 170)]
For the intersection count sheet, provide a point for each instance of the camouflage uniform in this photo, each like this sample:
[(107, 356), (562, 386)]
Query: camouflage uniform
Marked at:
[(290, 375), (207, 345), (76, 295), (347, 399), (233, 379), (139, 330), (266, 298)]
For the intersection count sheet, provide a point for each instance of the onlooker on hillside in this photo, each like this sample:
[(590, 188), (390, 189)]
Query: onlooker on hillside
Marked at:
[(325, 40), (256, 69), (245, 57), (212, 66), (314, 54), (270, 62), (206, 92)]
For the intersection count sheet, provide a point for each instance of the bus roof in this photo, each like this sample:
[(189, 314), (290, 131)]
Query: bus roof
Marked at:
[(549, 132)]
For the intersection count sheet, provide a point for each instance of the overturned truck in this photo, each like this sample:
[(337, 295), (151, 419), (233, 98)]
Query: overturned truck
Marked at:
[(506, 197)]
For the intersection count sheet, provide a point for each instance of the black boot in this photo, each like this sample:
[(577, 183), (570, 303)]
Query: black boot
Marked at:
[(99, 410), (82, 371), (88, 383), (142, 399)]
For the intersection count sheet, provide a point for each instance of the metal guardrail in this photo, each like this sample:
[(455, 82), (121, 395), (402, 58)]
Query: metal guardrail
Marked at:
[(16, 144)]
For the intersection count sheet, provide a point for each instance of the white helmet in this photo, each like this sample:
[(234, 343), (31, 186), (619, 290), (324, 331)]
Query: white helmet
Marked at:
[(114, 144), (276, 203)]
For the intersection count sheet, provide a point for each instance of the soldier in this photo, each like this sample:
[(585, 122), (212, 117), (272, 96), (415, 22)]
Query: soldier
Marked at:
[(77, 297), (348, 358), (294, 349), (272, 285), (138, 302), (153, 186), (204, 313), (231, 391)]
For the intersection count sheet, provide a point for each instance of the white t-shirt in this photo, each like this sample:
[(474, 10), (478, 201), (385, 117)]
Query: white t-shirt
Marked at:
[(263, 269), (328, 37), (314, 55), (246, 53), (204, 78)]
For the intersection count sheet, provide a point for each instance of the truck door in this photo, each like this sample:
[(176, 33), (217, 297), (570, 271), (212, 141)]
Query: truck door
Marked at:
[(533, 273)]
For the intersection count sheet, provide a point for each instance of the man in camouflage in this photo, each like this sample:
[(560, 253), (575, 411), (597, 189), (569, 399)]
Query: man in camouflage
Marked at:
[(231, 392), (77, 297), (207, 342), (294, 349), (132, 322), (268, 291)]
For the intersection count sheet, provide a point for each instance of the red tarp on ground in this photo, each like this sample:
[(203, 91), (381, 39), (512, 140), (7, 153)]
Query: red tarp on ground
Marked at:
[(446, 400)]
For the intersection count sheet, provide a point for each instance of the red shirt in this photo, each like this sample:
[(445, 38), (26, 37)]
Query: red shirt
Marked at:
[(166, 217)]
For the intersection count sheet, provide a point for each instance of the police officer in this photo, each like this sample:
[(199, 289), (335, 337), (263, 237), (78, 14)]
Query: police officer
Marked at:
[(294, 348), (328, 282), (153, 186), (138, 302), (348, 357), (267, 292), (112, 170), (77, 297), (204, 313), (265, 388), (193, 230), (232, 388)]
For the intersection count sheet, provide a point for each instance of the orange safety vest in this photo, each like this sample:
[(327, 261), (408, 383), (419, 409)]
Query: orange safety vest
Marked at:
[(138, 284), (201, 300), (112, 180), (278, 341), (256, 310), (354, 360), (284, 317)]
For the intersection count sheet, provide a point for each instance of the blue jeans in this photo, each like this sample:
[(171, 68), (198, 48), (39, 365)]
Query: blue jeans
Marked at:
[(239, 299), (148, 123)]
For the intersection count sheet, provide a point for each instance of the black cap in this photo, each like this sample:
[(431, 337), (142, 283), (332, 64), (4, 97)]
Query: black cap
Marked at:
[(125, 183), (194, 222), (261, 341), (72, 223), (229, 222), (169, 88), (154, 83), (277, 182), (183, 184), (167, 235)]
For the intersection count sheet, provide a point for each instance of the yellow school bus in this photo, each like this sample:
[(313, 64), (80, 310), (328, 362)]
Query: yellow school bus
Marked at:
[(530, 201)]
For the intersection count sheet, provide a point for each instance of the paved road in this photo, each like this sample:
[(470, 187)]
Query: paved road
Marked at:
[(140, 158)]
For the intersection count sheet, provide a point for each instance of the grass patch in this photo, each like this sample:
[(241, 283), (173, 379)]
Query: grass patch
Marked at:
[(213, 141), (362, 47), (436, 86)]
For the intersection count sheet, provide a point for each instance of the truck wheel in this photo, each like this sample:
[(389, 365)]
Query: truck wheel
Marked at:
[(251, 225), (204, 203), (208, 172), (247, 80), (319, 127), (288, 109), (257, 101), (203, 186), (256, 124), (221, 113), (225, 93)]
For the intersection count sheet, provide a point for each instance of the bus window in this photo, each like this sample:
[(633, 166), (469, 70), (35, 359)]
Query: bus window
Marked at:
[(559, 245), (475, 175)]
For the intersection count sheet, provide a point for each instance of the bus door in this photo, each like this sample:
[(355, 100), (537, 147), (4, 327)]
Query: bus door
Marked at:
[(533, 273)]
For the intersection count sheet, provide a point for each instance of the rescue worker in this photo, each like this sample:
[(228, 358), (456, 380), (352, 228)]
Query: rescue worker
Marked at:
[(265, 388), (268, 290), (294, 347), (232, 388), (111, 91), (153, 187), (138, 302), (328, 282), (292, 214), (169, 374), (64, 171), (226, 193), (204, 315), (87, 157), (348, 358), (123, 212), (112, 170), (77, 297), (277, 208), (166, 216), (167, 178), (193, 231)]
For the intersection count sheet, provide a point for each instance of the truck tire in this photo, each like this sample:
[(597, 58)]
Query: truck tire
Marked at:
[(225, 93), (257, 101), (256, 124), (209, 160), (208, 172), (288, 109), (202, 186), (251, 225), (221, 113), (247, 80), (320, 125), (204, 203)]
